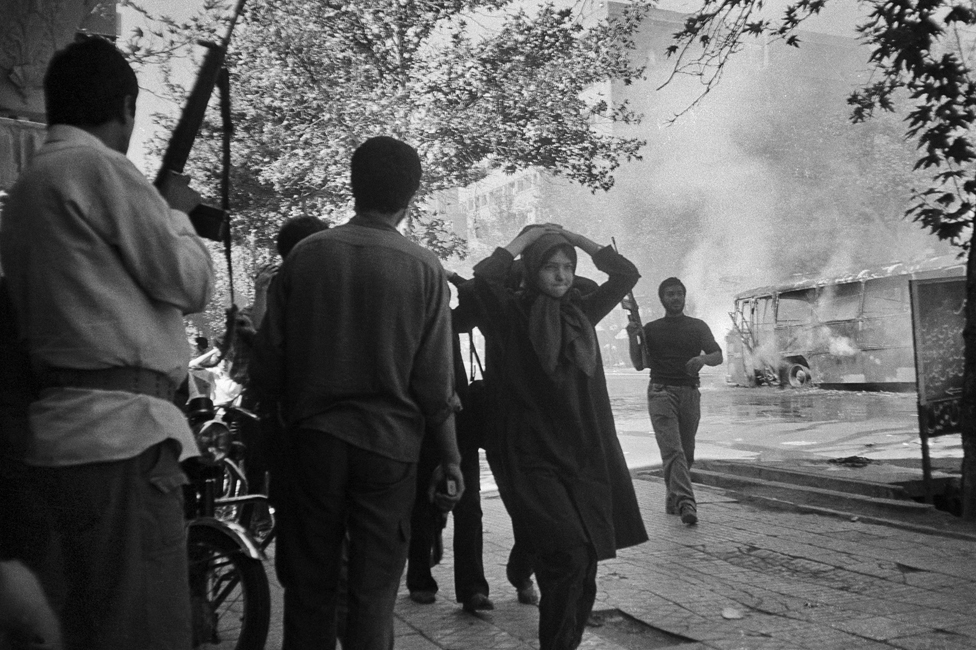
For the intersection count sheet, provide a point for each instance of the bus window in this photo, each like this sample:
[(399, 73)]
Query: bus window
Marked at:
[(885, 296), (839, 302), (764, 311), (795, 307), (744, 308)]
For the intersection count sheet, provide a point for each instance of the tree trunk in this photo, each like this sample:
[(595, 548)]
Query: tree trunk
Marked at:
[(968, 407)]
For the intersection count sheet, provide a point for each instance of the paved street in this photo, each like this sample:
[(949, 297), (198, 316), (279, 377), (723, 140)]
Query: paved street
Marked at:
[(745, 578), (771, 424)]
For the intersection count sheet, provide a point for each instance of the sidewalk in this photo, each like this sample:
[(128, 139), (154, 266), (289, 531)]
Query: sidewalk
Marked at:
[(744, 578)]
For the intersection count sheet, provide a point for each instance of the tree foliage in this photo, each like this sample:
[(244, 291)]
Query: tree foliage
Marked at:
[(312, 79), (939, 79)]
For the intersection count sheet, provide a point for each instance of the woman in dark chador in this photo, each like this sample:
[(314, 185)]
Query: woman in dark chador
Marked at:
[(568, 487)]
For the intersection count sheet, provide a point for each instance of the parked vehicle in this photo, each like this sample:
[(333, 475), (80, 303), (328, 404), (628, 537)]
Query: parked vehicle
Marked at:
[(229, 592), (849, 331)]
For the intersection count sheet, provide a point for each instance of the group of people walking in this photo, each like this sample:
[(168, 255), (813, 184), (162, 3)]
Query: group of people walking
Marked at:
[(358, 358)]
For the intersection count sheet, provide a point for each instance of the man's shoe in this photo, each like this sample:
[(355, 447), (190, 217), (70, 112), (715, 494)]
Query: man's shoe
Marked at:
[(423, 597), (478, 602), (528, 595), (689, 516), (669, 508)]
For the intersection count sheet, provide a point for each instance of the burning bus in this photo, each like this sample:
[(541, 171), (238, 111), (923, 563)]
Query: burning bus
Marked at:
[(851, 331)]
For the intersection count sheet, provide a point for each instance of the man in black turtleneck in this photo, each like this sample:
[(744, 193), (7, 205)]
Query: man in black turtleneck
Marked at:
[(677, 347)]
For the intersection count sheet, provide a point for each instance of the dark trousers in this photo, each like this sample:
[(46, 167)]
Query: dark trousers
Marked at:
[(521, 562), (26, 534), (469, 570), (255, 466), (567, 587), (120, 533), (333, 488), (255, 441), (521, 558)]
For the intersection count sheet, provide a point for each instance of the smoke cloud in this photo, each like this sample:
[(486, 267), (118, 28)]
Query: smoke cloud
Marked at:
[(764, 182)]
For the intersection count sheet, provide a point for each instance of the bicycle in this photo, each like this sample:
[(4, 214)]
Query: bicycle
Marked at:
[(229, 592)]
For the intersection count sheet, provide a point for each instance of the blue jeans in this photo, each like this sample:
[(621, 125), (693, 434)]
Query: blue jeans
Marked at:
[(675, 412)]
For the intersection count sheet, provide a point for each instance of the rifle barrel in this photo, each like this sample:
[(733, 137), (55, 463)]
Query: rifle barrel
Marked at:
[(208, 221), (185, 133)]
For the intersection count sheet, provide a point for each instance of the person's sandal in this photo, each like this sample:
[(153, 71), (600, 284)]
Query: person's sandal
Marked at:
[(689, 516)]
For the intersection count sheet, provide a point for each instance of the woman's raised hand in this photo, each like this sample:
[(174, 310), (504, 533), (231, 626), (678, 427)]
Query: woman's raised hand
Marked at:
[(585, 244), (529, 236)]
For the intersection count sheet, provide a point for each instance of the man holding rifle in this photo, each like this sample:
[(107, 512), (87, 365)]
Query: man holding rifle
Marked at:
[(673, 348), (101, 269)]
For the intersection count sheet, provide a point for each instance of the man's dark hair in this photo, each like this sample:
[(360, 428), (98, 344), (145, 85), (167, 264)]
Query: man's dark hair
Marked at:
[(86, 84), (670, 282), (295, 230), (385, 175)]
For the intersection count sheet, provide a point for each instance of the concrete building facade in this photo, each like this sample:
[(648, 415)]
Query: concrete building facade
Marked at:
[(31, 31)]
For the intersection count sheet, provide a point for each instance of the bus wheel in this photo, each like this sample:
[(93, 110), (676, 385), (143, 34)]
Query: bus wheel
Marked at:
[(798, 375)]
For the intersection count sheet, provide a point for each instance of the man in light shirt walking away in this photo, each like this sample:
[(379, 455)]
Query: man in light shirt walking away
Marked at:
[(101, 269)]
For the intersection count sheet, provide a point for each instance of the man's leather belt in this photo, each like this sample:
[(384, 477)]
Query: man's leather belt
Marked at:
[(140, 381)]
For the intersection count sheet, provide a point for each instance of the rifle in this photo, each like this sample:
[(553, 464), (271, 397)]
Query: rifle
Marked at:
[(629, 303), (208, 221)]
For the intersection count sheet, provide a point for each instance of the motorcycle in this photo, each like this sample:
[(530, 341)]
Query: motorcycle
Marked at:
[(229, 593)]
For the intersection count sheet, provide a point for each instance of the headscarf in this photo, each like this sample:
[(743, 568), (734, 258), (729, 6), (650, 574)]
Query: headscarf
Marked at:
[(558, 328)]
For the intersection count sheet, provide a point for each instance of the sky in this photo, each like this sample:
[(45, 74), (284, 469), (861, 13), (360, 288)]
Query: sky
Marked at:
[(150, 81)]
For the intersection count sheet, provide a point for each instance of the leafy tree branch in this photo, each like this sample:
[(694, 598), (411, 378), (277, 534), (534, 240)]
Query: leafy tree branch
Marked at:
[(310, 80)]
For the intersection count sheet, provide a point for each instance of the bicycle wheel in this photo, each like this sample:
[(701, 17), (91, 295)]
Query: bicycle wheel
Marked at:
[(228, 593)]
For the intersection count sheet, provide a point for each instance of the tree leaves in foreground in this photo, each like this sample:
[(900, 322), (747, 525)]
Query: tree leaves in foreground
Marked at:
[(473, 84)]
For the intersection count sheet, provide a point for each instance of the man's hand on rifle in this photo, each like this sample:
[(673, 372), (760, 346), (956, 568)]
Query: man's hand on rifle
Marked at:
[(178, 193), (638, 353)]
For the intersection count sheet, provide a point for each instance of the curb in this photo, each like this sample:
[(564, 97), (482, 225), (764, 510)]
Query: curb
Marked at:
[(778, 504), (640, 472)]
